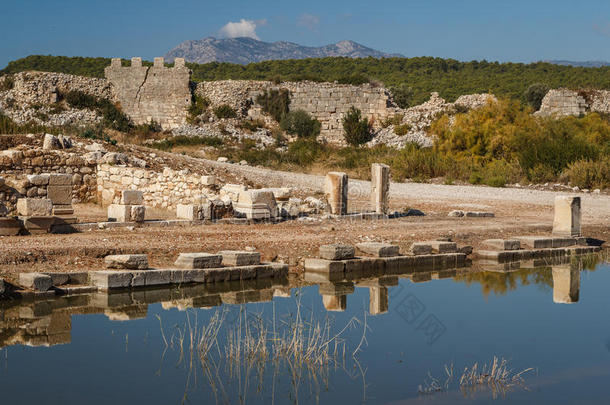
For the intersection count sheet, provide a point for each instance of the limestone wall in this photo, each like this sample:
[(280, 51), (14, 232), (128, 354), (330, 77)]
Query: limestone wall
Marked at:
[(161, 189), (561, 102), (148, 93), (327, 102), (16, 165)]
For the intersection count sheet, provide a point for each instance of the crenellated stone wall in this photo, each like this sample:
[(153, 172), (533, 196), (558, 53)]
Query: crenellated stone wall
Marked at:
[(152, 93)]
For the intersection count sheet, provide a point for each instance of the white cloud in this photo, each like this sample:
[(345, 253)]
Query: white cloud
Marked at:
[(309, 21), (243, 28)]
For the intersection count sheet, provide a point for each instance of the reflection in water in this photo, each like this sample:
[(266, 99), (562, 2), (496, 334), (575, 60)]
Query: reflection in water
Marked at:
[(566, 283)]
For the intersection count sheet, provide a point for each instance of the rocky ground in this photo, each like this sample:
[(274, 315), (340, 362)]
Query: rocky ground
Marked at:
[(518, 212)]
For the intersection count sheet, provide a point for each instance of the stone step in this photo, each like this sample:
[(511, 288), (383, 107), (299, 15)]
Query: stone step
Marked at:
[(378, 249)]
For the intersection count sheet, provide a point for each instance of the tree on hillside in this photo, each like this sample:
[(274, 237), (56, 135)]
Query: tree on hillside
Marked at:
[(357, 130)]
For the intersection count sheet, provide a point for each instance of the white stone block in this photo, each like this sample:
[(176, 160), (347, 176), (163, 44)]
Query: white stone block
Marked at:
[(133, 262), (119, 213), (132, 197), (34, 207), (567, 216)]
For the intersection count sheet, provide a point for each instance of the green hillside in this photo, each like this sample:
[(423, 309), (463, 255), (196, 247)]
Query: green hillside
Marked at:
[(411, 79)]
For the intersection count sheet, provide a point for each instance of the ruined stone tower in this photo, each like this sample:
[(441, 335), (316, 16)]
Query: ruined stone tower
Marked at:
[(156, 93)]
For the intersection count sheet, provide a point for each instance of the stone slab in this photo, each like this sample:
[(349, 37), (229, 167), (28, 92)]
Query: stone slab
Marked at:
[(36, 281), (336, 252), (60, 195), (378, 249), (119, 213), (109, 279), (421, 248), (503, 244), (239, 258), (34, 207), (38, 224), (443, 246), (133, 262), (132, 197), (10, 226), (198, 261), (137, 213), (330, 267), (57, 179), (536, 242)]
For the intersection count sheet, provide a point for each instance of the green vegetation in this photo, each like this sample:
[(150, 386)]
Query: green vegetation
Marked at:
[(170, 143), (275, 103), (251, 125), (225, 111), (7, 83), (198, 106), (112, 117), (534, 95), (97, 134), (410, 79), (300, 123), (357, 130)]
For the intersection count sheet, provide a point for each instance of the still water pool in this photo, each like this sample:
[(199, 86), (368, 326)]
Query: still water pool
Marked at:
[(378, 341)]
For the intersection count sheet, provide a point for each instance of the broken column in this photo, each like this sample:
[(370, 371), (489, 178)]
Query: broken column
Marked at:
[(335, 188), (380, 187), (566, 284), (567, 216), (130, 208)]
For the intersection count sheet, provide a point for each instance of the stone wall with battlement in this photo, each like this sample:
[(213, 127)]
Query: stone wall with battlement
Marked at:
[(152, 93), (327, 102)]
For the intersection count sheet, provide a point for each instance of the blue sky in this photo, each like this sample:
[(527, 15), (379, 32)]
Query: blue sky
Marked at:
[(502, 30)]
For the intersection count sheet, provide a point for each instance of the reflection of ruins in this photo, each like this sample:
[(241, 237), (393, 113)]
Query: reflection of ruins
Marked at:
[(48, 322)]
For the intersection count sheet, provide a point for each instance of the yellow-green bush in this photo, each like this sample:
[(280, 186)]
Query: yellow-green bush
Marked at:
[(589, 174)]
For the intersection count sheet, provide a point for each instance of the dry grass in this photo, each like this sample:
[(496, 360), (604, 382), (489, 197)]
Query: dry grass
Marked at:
[(495, 376)]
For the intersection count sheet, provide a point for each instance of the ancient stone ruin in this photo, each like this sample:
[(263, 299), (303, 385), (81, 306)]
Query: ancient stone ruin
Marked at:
[(156, 93), (563, 102)]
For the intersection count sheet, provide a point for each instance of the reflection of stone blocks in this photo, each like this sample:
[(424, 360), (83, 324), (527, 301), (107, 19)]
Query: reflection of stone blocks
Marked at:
[(566, 284), (334, 303), (34, 207), (567, 216)]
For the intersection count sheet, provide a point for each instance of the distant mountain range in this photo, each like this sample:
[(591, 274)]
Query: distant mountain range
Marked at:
[(248, 50), (590, 63)]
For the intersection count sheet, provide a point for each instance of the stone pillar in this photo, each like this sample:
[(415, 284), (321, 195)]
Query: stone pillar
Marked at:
[(115, 62), (566, 284), (136, 62), (158, 62), (378, 300), (179, 63), (335, 302), (567, 216), (335, 188), (380, 187)]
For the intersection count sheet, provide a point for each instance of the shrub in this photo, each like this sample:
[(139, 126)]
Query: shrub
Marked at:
[(589, 174), (251, 125), (355, 79), (198, 106), (97, 134), (401, 130), (534, 95), (148, 128), (225, 111), (275, 103), (7, 84), (403, 95), (79, 99), (357, 130), (182, 140), (395, 119), (299, 122), (112, 117)]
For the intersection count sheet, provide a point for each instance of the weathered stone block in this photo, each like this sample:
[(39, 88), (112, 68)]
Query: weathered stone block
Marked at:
[(380, 187), (34, 207), (336, 251), (134, 262), (378, 249), (536, 242), (38, 179), (239, 258), (38, 224), (443, 247), (325, 266), (503, 244), (421, 248), (35, 281), (60, 195), (567, 216), (198, 260), (138, 213), (9, 226), (119, 213), (56, 179), (132, 197), (187, 211), (109, 279), (335, 188)]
